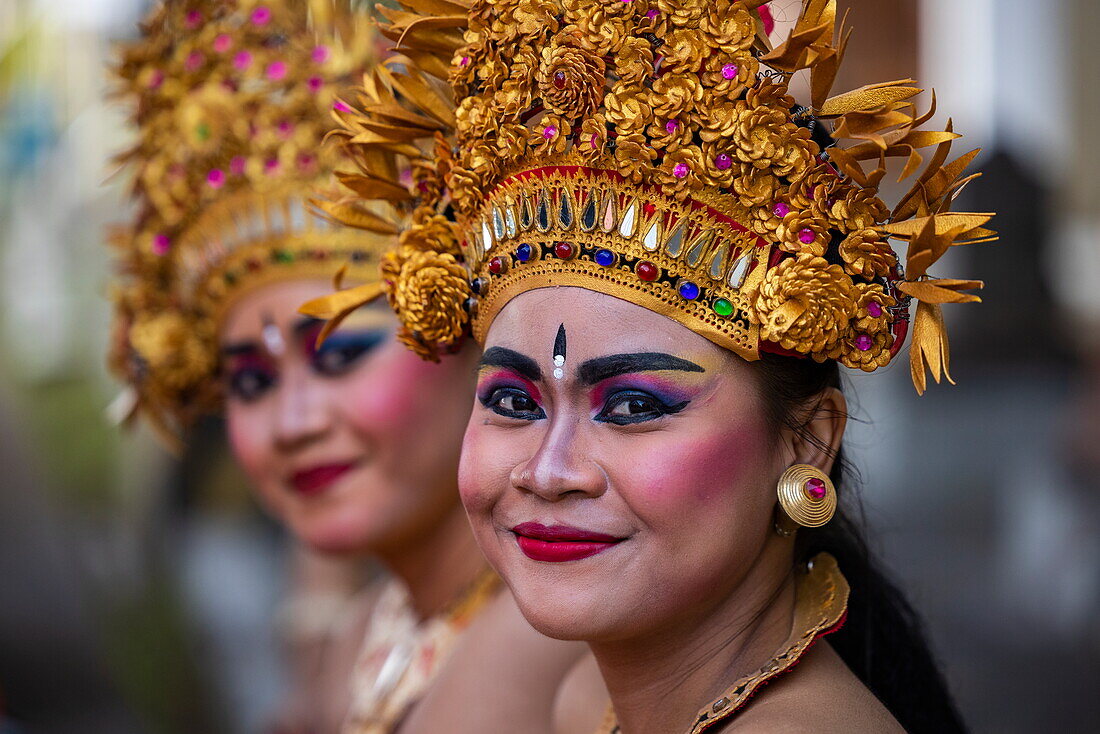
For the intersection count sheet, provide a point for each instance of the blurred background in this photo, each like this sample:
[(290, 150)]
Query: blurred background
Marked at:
[(140, 592)]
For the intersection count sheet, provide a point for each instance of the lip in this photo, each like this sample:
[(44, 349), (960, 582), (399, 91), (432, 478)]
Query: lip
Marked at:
[(315, 480), (560, 543)]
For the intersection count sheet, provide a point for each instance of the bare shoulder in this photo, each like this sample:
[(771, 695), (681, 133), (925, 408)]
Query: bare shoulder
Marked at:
[(820, 695)]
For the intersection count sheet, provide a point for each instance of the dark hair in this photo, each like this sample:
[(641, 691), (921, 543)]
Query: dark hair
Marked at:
[(883, 640)]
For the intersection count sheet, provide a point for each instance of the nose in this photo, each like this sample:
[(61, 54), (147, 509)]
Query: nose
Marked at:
[(562, 466), (301, 415)]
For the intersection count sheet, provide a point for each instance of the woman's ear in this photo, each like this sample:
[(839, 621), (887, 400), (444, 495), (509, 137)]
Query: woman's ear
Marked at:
[(824, 429)]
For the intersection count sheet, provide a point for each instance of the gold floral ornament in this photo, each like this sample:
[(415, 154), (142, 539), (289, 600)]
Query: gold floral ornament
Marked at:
[(652, 150), (571, 80), (230, 101), (805, 304)]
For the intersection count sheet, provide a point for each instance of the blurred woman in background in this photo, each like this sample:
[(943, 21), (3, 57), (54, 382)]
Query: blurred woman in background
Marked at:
[(352, 444)]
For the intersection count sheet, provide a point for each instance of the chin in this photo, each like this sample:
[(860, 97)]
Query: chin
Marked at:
[(564, 608), (334, 531)]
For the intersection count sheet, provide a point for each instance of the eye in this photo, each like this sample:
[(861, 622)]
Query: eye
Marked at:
[(513, 402), (249, 384), (342, 352), (633, 406)]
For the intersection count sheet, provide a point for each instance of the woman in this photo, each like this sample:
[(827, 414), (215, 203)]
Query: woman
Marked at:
[(666, 258), (352, 444)]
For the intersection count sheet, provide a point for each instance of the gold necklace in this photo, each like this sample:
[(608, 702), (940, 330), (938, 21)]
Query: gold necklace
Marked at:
[(820, 606)]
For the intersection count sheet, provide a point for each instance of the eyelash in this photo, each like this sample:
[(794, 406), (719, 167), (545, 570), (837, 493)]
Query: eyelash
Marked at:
[(493, 398), (658, 408), (248, 384)]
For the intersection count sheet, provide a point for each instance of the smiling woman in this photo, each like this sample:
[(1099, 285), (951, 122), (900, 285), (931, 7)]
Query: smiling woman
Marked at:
[(666, 257), (352, 443)]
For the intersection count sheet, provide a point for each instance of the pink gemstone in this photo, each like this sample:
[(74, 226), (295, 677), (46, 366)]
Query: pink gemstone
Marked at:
[(314, 83), (305, 161), (465, 60), (549, 131), (320, 54), (161, 244), (815, 488), (781, 209), (672, 126), (271, 165), (276, 70), (651, 14), (680, 170), (807, 236), (194, 61), (340, 106), (156, 79), (236, 166), (594, 141), (723, 162), (863, 342), (261, 15), (193, 18), (730, 71), (242, 60), (215, 178), (223, 43), (874, 309), (285, 128)]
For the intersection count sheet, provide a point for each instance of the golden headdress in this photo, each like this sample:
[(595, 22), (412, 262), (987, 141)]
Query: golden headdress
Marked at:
[(651, 150), (230, 100)]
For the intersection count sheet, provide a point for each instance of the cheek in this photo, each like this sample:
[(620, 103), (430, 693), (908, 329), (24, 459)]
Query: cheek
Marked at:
[(400, 394), (701, 478), (248, 438)]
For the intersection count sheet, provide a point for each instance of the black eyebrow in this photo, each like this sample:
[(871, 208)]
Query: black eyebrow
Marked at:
[(509, 359), (602, 368)]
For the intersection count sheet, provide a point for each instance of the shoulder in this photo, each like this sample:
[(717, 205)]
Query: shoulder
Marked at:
[(821, 695)]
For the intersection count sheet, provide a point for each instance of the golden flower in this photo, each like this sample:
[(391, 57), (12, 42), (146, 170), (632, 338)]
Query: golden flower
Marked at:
[(719, 167), (429, 296), (813, 188), (730, 27), (676, 94), (718, 120), (511, 142), (633, 157), (473, 117), (680, 13), (873, 306), (856, 209), (610, 8), (172, 348), (551, 134), (634, 60), (513, 97), (601, 33), (802, 232), (593, 136), (681, 170), (626, 108), (766, 138), (867, 254), (465, 186), (684, 49), (571, 80), (725, 76), (492, 71), (431, 231), (533, 17), (804, 304), (669, 134), (864, 352), (753, 186)]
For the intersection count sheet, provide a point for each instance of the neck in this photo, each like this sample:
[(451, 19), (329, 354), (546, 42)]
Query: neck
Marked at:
[(438, 565), (659, 681)]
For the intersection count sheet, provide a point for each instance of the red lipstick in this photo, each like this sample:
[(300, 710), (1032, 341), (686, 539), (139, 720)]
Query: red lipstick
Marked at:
[(314, 481), (560, 543)]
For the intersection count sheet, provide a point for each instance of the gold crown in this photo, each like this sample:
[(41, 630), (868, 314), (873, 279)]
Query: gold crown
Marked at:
[(651, 150), (230, 100)]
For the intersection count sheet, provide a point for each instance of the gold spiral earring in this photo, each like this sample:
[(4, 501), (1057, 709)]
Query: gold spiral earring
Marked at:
[(807, 496)]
